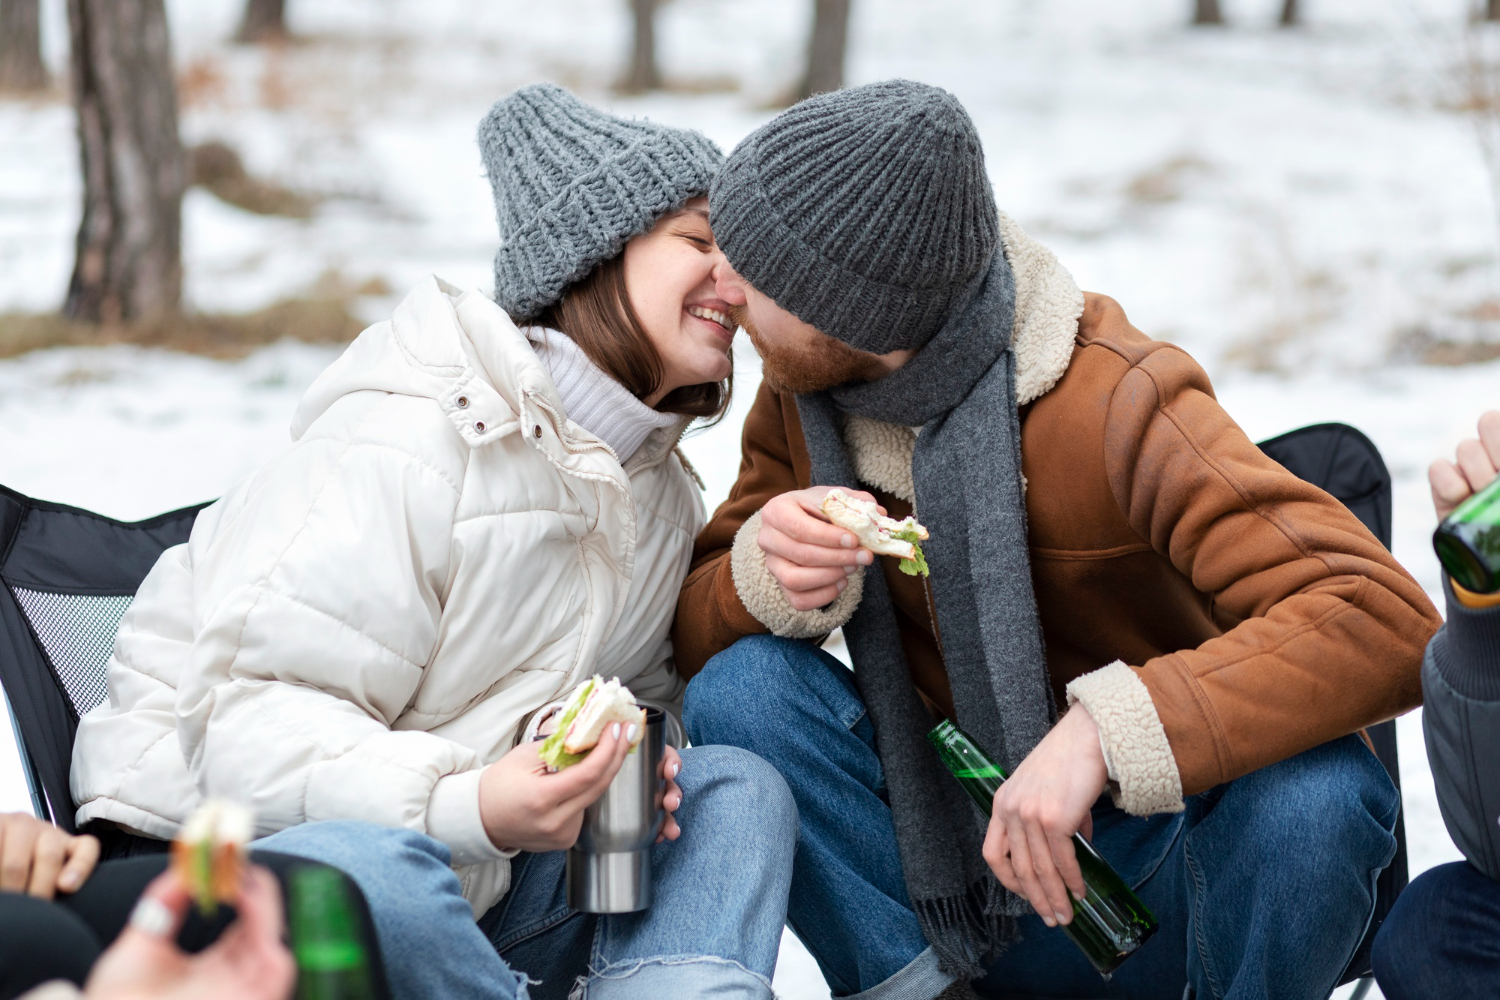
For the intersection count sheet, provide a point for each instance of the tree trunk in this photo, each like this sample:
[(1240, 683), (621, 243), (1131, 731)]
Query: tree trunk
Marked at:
[(1207, 12), (129, 263), (21, 66), (1291, 12), (825, 48), (1492, 10), (264, 21), (643, 74)]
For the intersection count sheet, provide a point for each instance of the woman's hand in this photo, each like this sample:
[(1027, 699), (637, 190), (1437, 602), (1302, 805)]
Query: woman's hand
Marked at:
[(1029, 845), (809, 557), (526, 808), (248, 962), (671, 797), (42, 860), (1471, 470)]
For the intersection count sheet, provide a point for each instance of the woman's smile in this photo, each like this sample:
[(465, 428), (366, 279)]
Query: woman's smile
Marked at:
[(715, 316)]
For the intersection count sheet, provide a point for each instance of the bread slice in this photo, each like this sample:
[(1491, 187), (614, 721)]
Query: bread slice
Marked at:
[(874, 530), (592, 705), (608, 702)]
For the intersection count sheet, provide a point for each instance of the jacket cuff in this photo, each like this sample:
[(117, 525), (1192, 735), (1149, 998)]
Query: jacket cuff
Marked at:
[(764, 599), (453, 818), (1143, 772), (1467, 650)]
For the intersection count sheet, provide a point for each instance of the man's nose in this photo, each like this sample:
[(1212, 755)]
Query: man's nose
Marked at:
[(728, 285)]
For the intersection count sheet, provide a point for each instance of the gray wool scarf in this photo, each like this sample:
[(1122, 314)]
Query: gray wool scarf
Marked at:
[(960, 389)]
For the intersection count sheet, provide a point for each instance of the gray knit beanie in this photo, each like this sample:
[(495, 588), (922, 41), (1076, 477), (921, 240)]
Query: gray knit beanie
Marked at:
[(572, 184), (865, 212)]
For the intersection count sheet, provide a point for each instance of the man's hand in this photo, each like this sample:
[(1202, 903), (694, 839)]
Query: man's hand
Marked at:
[(248, 962), (42, 860), (809, 557), (1030, 841), (526, 808), (1472, 469)]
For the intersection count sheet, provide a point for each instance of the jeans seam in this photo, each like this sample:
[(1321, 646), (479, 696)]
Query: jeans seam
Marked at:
[(1200, 883), (531, 930)]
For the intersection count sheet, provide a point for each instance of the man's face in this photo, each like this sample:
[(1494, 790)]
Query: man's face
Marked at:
[(795, 356)]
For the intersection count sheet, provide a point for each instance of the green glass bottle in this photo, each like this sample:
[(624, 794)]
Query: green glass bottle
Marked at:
[(1110, 922), (332, 963), (1468, 541)]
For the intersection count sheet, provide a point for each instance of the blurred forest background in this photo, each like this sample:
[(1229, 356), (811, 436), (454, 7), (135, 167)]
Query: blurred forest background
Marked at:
[(202, 200)]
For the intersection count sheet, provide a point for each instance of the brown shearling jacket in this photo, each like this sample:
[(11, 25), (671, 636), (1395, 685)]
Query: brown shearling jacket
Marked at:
[(1260, 615)]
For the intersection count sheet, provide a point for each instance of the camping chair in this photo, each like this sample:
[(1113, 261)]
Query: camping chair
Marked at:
[(68, 575)]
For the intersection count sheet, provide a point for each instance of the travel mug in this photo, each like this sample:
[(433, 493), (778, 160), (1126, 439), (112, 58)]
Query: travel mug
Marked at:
[(609, 869)]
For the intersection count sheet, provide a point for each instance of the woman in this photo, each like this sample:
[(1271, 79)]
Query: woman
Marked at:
[(474, 516)]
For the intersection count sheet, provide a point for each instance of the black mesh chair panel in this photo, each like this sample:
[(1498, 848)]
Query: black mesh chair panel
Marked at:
[(77, 632), (69, 575)]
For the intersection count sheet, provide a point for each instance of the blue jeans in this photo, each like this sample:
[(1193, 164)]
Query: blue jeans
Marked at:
[(1442, 938), (1263, 887), (713, 929)]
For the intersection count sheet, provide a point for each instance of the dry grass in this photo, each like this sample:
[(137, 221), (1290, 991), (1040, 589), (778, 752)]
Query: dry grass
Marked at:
[(312, 320), (1421, 345), (217, 167)]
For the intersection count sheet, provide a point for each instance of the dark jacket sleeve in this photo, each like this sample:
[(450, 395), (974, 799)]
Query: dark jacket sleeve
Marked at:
[(1461, 719)]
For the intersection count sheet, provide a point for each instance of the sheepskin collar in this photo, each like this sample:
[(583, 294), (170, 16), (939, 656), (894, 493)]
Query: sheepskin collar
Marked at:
[(1048, 305)]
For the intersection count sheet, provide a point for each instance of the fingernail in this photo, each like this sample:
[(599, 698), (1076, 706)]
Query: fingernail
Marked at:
[(68, 881), (848, 570), (1049, 921), (865, 558), (840, 585), (676, 770), (616, 731), (1077, 895), (630, 735), (1060, 918), (847, 541)]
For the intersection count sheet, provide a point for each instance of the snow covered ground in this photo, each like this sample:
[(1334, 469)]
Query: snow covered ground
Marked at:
[(1302, 211)]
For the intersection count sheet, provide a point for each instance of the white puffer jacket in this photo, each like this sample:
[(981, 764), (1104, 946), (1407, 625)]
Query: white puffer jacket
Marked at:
[(357, 629)]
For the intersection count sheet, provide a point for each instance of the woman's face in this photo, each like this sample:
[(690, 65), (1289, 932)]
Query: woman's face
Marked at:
[(669, 276)]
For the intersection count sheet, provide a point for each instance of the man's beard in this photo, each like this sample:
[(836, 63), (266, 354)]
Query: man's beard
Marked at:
[(803, 368)]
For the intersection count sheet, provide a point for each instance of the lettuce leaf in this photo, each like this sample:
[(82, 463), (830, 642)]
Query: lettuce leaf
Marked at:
[(552, 752), (917, 564)]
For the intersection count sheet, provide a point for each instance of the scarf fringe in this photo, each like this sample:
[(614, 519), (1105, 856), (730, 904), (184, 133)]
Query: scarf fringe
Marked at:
[(967, 932)]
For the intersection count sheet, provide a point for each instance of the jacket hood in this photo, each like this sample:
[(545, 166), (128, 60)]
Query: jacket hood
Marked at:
[(424, 350)]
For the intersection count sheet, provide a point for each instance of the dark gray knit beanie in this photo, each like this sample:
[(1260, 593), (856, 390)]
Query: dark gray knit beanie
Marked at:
[(864, 212), (572, 184)]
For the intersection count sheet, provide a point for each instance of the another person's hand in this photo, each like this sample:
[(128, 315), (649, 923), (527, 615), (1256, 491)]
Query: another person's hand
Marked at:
[(526, 808), (1471, 470), (1029, 845), (42, 860), (809, 557), (248, 962)]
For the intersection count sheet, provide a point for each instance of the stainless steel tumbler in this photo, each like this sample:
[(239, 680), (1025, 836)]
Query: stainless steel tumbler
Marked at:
[(609, 869)]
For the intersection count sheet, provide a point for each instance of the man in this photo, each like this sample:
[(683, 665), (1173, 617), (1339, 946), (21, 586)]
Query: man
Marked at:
[(1106, 544), (1443, 937)]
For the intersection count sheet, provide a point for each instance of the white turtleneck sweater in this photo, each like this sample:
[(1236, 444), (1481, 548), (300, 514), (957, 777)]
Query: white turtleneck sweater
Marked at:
[(593, 399)]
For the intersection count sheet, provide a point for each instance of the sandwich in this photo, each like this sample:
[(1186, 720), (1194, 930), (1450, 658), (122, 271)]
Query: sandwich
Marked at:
[(884, 536), (593, 705), (208, 853)]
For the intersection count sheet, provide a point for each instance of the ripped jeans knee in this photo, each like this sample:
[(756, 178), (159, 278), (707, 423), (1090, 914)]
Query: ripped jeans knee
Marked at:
[(671, 976)]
